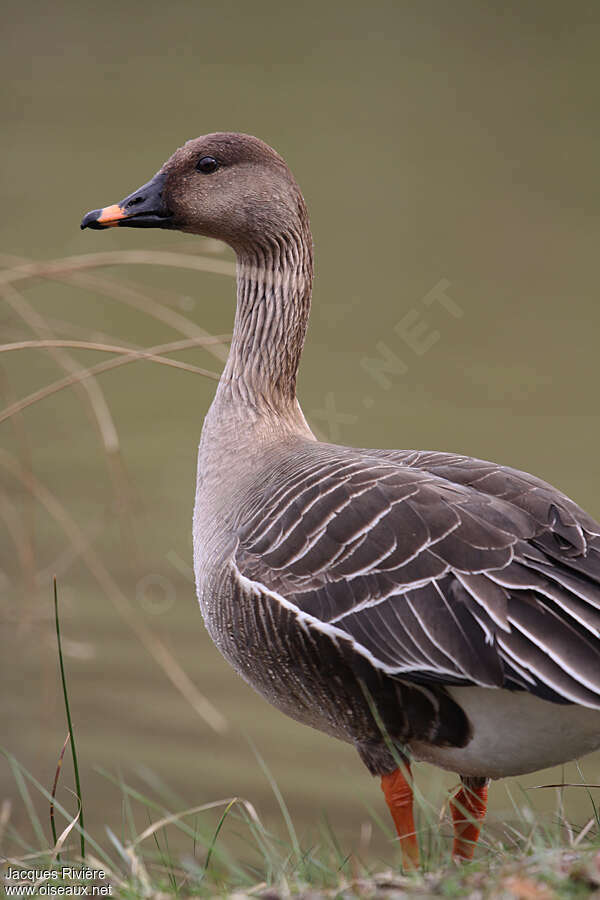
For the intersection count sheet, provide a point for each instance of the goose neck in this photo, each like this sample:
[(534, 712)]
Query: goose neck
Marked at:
[(274, 284)]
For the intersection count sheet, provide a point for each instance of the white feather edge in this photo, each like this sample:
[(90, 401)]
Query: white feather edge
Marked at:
[(306, 621)]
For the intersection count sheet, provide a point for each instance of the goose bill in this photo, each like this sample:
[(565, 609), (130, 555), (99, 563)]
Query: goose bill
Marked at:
[(145, 208)]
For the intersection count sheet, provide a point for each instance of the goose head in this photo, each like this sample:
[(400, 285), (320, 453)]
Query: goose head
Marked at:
[(232, 187)]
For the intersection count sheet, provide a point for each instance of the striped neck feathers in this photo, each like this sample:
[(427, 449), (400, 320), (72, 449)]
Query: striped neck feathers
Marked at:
[(274, 284)]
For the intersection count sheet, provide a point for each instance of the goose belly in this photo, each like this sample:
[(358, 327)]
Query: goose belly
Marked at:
[(514, 733)]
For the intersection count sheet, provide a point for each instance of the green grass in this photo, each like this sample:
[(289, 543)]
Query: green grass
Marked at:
[(528, 861)]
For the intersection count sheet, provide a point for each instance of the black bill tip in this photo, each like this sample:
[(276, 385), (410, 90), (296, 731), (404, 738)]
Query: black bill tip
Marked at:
[(93, 219)]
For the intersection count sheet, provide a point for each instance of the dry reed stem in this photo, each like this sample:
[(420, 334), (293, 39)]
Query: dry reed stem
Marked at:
[(26, 549), (55, 785), (128, 356), (124, 293), (90, 387), (140, 301), (73, 270), (94, 402), (142, 352), (63, 837), (62, 269), (128, 295), (61, 564), (213, 804), (50, 268), (20, 536), (154, 645), (68, 269), (584, 831)]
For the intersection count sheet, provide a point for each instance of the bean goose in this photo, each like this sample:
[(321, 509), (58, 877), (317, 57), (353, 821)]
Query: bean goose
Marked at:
[(419, 605)]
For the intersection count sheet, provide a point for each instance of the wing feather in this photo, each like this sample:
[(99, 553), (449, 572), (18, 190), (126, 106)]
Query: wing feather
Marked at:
[(441, 568)]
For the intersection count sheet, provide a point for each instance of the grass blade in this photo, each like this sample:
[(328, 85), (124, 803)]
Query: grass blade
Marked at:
[(54, 786), (69, 722), (216, 834), (281, 803), (23, 774), (26, 798)]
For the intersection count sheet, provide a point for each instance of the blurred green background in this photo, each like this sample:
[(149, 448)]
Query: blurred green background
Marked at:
[(439, 146)]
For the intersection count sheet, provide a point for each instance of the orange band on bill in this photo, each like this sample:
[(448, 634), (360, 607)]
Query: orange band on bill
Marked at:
[(111, 215)]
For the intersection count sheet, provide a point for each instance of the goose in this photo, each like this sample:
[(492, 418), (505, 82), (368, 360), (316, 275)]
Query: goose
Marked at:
[(419, 605)]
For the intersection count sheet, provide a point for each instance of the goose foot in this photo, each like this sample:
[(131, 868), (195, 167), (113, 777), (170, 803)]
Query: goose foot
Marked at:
[(398, 793), (468, 807)]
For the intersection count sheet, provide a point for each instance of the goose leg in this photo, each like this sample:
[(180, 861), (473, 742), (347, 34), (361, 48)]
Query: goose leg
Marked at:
[(468, 808), (398, 793)]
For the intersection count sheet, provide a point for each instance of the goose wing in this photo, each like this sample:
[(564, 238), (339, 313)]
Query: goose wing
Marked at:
[(438, 568)]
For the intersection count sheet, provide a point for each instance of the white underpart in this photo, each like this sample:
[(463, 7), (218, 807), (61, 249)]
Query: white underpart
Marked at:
[(514, 733)]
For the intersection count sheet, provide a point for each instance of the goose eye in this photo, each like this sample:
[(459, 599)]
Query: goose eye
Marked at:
[(207, 164)]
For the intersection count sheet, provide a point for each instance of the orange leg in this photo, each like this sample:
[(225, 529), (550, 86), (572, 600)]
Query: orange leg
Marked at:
[(468, 808), (399, 798)]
